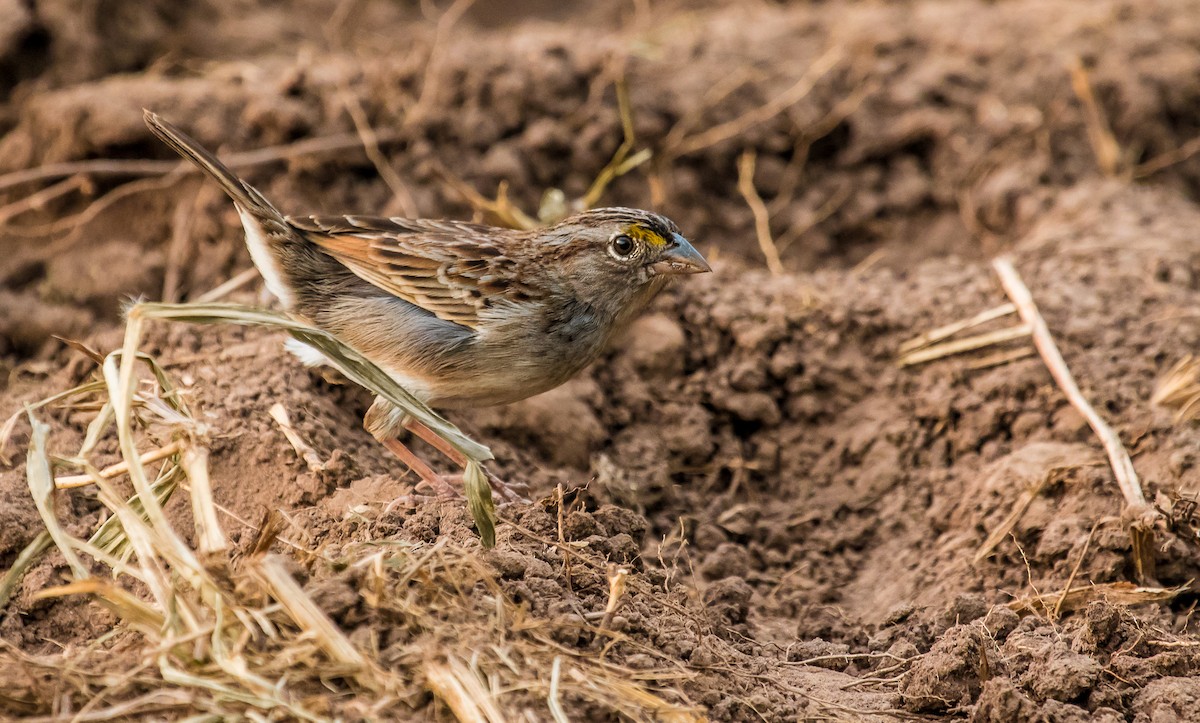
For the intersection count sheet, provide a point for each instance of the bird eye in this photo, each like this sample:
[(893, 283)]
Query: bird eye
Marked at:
[(622, 246)]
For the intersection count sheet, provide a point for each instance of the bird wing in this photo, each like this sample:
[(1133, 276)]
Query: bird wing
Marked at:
[(451, 269)]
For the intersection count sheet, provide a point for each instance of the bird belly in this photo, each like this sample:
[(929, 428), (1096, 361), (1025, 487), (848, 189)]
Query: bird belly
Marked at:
[(311, 357), (504, 372)]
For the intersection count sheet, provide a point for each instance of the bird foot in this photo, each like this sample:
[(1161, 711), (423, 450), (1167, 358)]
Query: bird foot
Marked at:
[(504, 492), (450, 486)]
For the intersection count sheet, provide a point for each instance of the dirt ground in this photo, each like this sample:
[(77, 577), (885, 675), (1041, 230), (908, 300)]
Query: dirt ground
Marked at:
[(800, 514)]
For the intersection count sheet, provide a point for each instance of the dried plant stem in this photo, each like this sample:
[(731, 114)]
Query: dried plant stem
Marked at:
[(233, 284), (41, 198), (553, 699), (949, 330), (434, 66), (621, 162), (1104, 145), (762, 225), (236, 161), (463, 692), (370, 144), (1005, 528), (501, 207), (958, 346), (1118, 457), (1166, 160), (28, 555), (204, 512), (304, 450), (802, 87), (1117, 593), (616, 591), (41, 487), (1057, 610), (98, 167), (1001, 358), (121, 387), (177, 249), (114, 470), (1180, 389), (313, 619)]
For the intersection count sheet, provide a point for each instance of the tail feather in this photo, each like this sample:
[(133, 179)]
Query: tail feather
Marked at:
[(241, 192), (271, 240)]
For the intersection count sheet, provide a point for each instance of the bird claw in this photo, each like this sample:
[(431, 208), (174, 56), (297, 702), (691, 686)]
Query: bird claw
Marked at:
[(442, 484), (505, 492)]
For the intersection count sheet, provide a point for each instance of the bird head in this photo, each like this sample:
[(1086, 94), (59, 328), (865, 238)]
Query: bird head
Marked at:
[(627, 247)]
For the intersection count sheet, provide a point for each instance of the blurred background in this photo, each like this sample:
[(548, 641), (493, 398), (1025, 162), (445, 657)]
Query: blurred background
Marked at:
[(814, 529), (869, 133)]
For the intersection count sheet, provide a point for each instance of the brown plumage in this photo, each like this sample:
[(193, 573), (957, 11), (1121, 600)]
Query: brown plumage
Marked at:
[(461, 314)]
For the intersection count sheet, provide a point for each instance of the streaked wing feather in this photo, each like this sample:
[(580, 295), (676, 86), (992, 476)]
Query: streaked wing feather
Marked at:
[(449, 268)]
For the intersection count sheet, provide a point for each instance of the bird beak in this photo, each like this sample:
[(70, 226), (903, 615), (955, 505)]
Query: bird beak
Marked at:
[(680, 258)]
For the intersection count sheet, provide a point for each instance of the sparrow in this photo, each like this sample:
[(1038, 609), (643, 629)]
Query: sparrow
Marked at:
[(460, 314)]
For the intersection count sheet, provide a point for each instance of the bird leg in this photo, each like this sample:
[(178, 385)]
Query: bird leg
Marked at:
[(502, 489), (440, 484), (385, 422)]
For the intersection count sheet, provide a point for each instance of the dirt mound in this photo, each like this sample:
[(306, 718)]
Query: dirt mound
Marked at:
[(799, 516)]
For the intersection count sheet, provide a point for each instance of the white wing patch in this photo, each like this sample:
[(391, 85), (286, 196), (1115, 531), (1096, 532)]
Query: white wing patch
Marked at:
[(311, 357), (307, 355), (260, 254)]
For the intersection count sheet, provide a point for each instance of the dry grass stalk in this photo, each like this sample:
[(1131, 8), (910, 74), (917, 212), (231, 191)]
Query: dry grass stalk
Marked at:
[(552, 698), (355, 367), (1006, 527), (621, 162), (1000, 358), (312, 620), (1121, 463), (738, 126), (25, 559), (1117, 593), (181, 224), (132, 610), (1144, 517), (1179, 389), (370, 143), (925, 347), (303, 449), (121, 387), (463, 692), (432, 81), (1104, 145), (554, 206), (10, 424), (67, 482), (235, 282), (616, 591), (762, 221), (330, 144), (41, 198), (499, 208), (110, 537), (204, 512), (945, 332), (1056, 612), (41, 486), (958, 346), (1165, 160)]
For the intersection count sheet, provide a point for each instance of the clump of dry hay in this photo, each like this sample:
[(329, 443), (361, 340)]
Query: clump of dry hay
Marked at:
[(1179, 389), (212, 630)]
